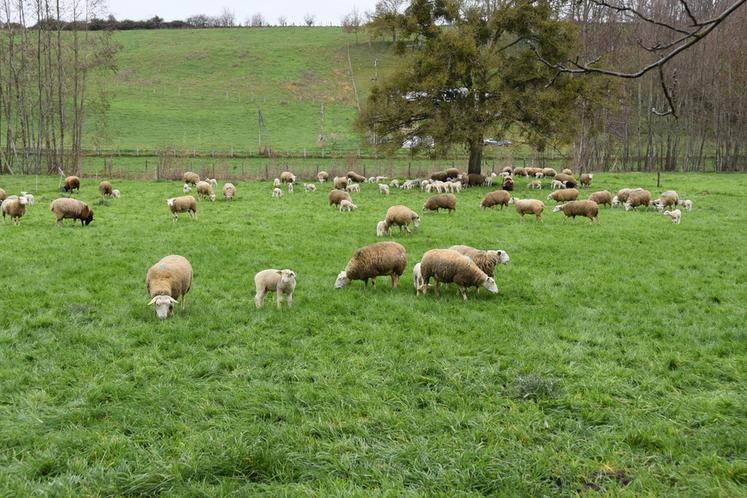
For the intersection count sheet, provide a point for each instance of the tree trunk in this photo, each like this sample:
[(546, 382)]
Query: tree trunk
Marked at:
[(475, 156)]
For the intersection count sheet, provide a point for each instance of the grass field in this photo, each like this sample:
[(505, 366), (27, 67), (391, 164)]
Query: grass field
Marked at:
[(612, 360)]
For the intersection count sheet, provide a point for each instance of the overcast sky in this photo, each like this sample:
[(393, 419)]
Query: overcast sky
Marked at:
[(326, 12)]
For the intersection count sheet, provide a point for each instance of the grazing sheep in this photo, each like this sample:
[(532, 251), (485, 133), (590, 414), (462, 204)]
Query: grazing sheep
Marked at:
[(72, 183), (3, 195), (335, 196), (440, 201), (531, 171), (213, 182), (186, 188), (190, 177), (535, 185), (322, 176), (687, 204), (205, 190), (623, 193), (276, 182), (676, 216), (587, 208), (229, 191), (276, 192), (448, 266), (352, 175), (346, 205), (29, 197), (417, 278), (309, 187), (371, 179), (507, 169), (382, 229), (539, 175), (602, 197), (105, 189), (381, 179), (401, 216), (508, 184), (586, 179), (424, 184), (287, 177), (563, 195), (485, 260), (549, 172), (452, 173), (519, 172), (394, 183), (410, 184), (670, 198), (341, 182), (440, 176), (183, 204), (116, 193), (475, 179), (529, 206), (290, 188), (281, 282), (495, 198), (568, 180), (168, 281), (72, 209), (353, 187), (375, 260), (14, 208), (637, 198), (383, 188), (567, 171), (456, 186)]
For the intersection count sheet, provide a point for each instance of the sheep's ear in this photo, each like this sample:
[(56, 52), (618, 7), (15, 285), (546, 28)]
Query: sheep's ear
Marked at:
[(152, 301), (279, 272), (173, 301)]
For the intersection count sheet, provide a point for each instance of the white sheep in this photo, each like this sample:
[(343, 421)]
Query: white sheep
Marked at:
[(535, 185), (168, 281), (676, 216), (424, 184), (394, 183), (371, 179), (213, 182), (539, 175), (381, 179), (29, 197), (557, 184), (687, 204), (116, 193), (290, 188), (281, 282), (346, 205), (276, 182), (309, 187), (353, 187), (417, 279), (382, 229), (276, 192), (186, 188), (383, 188)]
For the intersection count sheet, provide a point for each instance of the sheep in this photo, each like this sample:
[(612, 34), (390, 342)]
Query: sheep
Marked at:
[(229, 191), (309, 187), (290, 188), (401, 216), (382, 229), (353, 187), (475, 179), (424, 184), (452, 173), (637, 198), (507, 169), (586, 179), (281, 282), (556, 184), (381, 179), (205, 190), (539, 175), (116, 193), (518, 172), (371, 179), (183, 204), (352, 175), (440, 201), (456, 186), (14, 208), (190, 177), (587, 208), (439, 176), (529, 206), (105, 189), (394, 183), (383, 188), (346, 205), (287, 177), (322, 176), (676, 216), (277, 193), (508, 184), (568, 180), (409, 184), (449, 266), (72, 183), (371, 261), (335, 196), (623, 193), (3, 195), (186, 188), (549, 172), (485, 260), (670, 198), (687, 204), (71, 208), (213, 182), (602, 197), (168, 281), (495, 198), (276, 182), (29, 197), (341, 182), (567, 171), (535, 185), (563, 195)]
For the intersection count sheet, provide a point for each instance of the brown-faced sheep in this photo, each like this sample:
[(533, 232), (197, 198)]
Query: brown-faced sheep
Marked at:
[(287, 177), (374, 260), (440, 201), (191, 177), (168, 281), (72, 183), (495, 198), (229, 191), (485, 260), (106, 189), (602, 197), (281, 282), (563, 195), (532, 171), (205, 191), (401, 216), (453, 172), (585, 179), (335, 196), (447, 266), (352, 175), (529, 206), (322, 176), (15, 208), (71, 209), (587, 208), (183, 204), (638, 198)]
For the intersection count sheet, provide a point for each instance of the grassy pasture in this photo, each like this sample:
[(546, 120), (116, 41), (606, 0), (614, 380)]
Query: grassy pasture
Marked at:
[(613, 359)]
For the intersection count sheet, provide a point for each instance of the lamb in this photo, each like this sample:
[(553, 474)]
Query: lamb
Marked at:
[(190, 177), (168, 281), (309, 187), (105, 189), (549, 172), (341, 182), (401, 216), (676, 216), (485, 260), (539, 175), (535, 185), (563, 195), (205, 190), (371, 261), (448, 266), (383, 188), (282, 282), (287, 177), (495, 198), (587, 208), (556, 184), (670, 198), (29, 197), (394, 183), (381, 179), (346, 205), (687, 204), (352, 175), (424, 184), (382, 229), (71, 208), (440, 201), (183, 204), (186, 188), (602, 197), (586, 179), (229, 191), (456, 186), (336, 196), (637, 198), (276, 192), (290, 188), (72, 183), (322, 176), (14, 208), (417, 278), (116, 193), (213, 182), (276, 182), (371, 179), (508, 184), (353, 187), (410, 184), (529, 206), (568, 180)]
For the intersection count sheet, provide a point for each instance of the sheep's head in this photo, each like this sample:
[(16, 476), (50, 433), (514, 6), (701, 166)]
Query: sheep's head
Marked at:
[(87, 216), (501, 256), (212, 197), (23, 200), (287, 277), (557, 208), (490, 284), (163, 305), (416, 221), (186, 188), (628, 206), (615, 201), (170, 202), (342, 280), (511, 200)]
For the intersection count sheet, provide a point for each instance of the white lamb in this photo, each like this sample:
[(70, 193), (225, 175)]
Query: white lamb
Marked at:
[(687, 204), (290, 188), (309, 187), (276, 182), (346, 205), (276, 192), (354, 187), (382, 229), (676, 216), (186, 188), (282, 282), (383, 188), (394, 183)]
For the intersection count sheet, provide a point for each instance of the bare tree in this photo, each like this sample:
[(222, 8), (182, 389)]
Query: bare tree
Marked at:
[(256, 21), (227, 18), (352, 22), (282, 21), (309, 19)]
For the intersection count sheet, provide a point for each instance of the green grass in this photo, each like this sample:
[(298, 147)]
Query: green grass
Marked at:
[(613, 359)]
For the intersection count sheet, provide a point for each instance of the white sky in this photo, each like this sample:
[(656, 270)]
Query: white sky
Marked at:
[(326, 12)]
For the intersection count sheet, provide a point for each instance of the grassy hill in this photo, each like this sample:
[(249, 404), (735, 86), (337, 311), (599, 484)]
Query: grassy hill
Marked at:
[(202, 88)]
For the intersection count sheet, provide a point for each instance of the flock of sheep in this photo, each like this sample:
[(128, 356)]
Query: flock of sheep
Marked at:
[(170, 279)]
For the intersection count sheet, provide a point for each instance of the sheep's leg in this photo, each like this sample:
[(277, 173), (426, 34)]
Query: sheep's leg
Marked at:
[(184, 302), (437, 289), (279, 299), (289, 300), (259, 298), (395, 280)]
